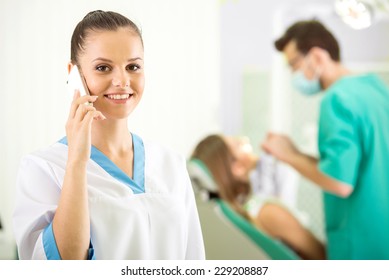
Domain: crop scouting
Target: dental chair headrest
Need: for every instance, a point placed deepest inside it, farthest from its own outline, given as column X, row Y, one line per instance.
column 201, row 177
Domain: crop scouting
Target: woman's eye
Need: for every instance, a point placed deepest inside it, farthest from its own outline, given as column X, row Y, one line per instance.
column 102, row 68
column 133, row 67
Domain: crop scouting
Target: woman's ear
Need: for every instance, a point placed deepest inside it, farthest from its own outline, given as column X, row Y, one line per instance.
column 70, row 66
column 238, row 170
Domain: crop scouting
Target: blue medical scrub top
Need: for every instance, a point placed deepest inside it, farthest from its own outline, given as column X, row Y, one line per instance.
column 354, row 149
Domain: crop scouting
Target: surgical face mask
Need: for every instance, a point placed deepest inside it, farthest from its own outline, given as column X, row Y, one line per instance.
column 305, row 86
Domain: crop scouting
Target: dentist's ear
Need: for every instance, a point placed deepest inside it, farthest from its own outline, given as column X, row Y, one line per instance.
column 319, row 56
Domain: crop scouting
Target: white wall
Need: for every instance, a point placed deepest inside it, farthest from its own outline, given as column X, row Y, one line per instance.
column 181, row 100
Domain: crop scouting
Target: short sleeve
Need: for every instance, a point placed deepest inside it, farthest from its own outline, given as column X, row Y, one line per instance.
column 51, row 249
column 37, row 195
column 49, row 243
column 340, row 151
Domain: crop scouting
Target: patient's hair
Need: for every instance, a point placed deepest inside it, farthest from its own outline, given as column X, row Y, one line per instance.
column 309, row 34
column 214, row 152
column 97, row 21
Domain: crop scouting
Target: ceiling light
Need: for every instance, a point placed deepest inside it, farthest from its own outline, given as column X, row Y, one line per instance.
column 357, row 14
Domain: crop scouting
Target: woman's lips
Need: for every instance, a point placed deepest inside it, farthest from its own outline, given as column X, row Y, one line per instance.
column 118, row 98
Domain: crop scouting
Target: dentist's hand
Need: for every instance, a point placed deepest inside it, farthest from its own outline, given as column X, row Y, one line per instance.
column 280, row 146
column 79, row 127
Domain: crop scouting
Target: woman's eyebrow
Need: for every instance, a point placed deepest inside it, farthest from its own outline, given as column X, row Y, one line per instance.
column 108, row 60
column 135, row 58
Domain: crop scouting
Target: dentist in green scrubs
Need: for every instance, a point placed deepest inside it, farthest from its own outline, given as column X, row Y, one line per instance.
column 353, row 143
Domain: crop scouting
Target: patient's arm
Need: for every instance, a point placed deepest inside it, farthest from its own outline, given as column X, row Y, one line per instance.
column 279, row 223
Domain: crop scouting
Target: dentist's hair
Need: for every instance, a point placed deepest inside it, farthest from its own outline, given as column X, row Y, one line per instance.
column 309, row 34
column 98, row 21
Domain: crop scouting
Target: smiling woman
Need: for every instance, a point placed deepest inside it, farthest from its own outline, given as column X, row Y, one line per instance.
column 113, row 63
column 100, row 192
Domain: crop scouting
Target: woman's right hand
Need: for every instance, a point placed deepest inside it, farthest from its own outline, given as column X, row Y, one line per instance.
column 79, row 127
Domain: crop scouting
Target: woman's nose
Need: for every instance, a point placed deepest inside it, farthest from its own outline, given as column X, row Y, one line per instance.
column 122, row 81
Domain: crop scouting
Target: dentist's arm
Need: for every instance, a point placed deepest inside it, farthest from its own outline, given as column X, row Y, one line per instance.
column 282, row 148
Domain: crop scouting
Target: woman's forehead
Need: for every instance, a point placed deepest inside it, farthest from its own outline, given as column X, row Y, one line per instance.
column 237, row 142
column 109, row 43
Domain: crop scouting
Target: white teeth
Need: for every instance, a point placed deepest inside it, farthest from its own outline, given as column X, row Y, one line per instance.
column 118, row 96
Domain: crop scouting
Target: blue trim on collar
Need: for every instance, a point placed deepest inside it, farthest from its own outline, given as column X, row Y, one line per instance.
column 137, row 184
column 139, row 161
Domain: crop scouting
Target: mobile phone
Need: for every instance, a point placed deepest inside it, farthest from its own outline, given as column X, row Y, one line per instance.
column 77, row 81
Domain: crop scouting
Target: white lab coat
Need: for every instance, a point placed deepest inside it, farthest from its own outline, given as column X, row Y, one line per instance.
column 153, row 216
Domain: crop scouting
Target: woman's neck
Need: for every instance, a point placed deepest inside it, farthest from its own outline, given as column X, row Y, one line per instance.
column 112, row 137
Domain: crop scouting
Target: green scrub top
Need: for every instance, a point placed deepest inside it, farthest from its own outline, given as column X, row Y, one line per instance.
column 354, row 149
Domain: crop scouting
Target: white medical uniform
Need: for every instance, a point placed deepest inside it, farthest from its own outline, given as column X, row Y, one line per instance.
column 152, row 216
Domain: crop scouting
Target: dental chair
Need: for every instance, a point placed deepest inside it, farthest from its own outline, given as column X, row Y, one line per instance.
column 227, row 235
